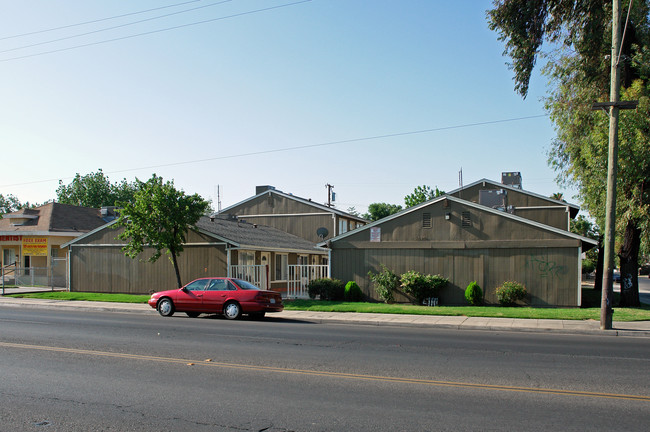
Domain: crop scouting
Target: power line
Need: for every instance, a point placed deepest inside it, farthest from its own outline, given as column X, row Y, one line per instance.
column 94, row 21
column 301, row 147
column 114, row 27
column 157, row 31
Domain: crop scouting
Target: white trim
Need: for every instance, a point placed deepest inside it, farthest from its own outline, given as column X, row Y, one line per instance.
column 126, row 244
column 245, row 216
column 315, row 251
column 42, row 233
column 580, row 276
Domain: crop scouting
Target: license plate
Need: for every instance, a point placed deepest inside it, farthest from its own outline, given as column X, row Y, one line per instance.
column 272, row 301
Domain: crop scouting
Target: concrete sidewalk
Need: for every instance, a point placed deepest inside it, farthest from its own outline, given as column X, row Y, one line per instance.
column 635, row 328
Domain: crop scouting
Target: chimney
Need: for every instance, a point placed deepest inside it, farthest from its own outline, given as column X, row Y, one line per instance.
column 262, row 189
column 512, row 179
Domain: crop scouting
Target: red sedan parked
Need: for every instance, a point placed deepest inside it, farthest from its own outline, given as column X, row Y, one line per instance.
column 230, row 297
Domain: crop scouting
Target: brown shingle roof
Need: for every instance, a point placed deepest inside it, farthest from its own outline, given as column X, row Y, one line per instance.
column 52, row 217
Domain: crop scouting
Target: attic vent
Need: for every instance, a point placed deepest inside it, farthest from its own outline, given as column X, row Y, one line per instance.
column 426, row 220
column 467, row 221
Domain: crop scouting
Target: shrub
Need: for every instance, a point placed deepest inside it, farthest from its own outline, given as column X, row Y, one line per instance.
column 588, row 266
column 510, row 292
column 422, row 286
column 474, row 294
column 386, row 282
column 326, row 288
column 352, row 292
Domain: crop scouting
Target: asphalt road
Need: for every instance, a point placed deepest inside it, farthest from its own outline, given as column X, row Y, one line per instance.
column 77, row 371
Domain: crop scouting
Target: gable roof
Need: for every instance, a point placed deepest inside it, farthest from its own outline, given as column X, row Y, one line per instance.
column 573, row 208
column 245, row 235
column 52, row 219
column 239, row 235
column 308, row 202
column 480, row 207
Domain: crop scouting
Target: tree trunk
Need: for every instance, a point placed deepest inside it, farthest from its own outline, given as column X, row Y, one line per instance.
column 178, row 273
column 629, row 258
column 598, row 283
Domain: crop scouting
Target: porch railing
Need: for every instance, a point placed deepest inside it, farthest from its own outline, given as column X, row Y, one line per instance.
column 255, row 274
column 299, row 277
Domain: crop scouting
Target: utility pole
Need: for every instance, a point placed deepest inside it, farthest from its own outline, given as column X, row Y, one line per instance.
column 329, row 194
column 606, row 311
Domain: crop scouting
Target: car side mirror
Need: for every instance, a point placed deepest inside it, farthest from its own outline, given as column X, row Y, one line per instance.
column 184, row 289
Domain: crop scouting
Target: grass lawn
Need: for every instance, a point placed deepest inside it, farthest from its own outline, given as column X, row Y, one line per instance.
column 64, row 295
column 590, row 300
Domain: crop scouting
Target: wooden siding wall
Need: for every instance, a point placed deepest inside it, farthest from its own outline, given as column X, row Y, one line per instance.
column 99, row 265
column 558, row 218
column 292, row 216
column 549, row 274
column 106, row 269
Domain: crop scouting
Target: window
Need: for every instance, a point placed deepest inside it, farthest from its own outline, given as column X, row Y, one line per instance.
column 198, row 285
column 467, row 221
column 343, row 226
column 426, row 220
column 217, row 285
column 246, row 258
column 281, row 264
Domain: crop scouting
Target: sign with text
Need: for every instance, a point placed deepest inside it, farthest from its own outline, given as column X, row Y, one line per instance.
column 35, row 246
column 375, row 234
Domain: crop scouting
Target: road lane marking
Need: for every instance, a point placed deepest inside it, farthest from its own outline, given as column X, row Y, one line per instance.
column 212, row 363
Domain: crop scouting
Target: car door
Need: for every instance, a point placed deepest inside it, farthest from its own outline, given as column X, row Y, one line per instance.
column 191, row 297
column 216, row 292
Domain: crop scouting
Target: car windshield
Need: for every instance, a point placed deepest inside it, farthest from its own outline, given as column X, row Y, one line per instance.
column 245, row 285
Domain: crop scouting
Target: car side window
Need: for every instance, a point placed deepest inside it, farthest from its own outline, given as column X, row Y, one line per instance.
column 197, row 285
column 231, row 286
column 217, row 285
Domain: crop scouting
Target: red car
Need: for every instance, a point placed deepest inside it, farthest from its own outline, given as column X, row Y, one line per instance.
column 230, row 297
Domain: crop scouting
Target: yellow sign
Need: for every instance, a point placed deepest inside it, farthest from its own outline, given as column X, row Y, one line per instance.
column 35, row 246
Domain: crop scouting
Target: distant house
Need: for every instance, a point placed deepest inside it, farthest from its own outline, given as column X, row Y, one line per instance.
column 298, row 216
column 33, row 239
column 466, row 241
column 215, row 246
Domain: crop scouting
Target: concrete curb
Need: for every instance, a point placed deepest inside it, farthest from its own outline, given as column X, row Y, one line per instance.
column 625, row 329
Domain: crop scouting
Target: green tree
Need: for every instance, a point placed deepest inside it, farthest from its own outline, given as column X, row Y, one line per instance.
column 421, row 194
column 9, row 204
column 159, row 216
column 378, row 211
column 94, row 190
column 580, row 32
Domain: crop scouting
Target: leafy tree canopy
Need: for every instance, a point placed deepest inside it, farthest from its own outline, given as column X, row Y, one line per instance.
column 378, row 211
column 159, row 216
column 94, row 190
column 578, row 69
column 421, row 194
column 9, row 204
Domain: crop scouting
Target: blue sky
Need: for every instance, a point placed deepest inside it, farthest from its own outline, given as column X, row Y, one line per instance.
column 293, row 97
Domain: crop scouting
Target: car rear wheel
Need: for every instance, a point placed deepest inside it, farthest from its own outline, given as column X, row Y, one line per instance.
column 193, row 314
column 165, row 307
column 232, row 310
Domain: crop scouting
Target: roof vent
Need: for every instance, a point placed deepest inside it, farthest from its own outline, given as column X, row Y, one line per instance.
column 511, row 179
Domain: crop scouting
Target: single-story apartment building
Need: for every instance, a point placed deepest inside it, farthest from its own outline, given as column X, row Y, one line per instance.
column 465, row 241
column 215, row 246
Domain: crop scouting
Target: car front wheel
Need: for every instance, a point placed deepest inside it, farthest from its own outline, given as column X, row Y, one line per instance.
column 232, row 310
column 165, row 307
